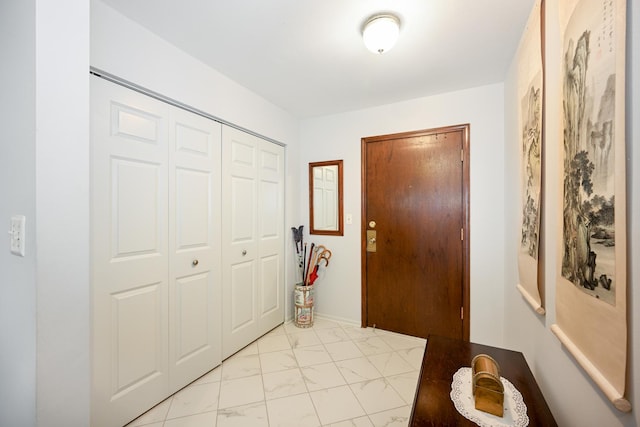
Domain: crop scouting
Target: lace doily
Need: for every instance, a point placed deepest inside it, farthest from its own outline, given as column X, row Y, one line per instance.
column 515, row 411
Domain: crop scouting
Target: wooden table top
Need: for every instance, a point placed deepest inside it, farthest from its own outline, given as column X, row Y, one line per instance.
column 443, row 357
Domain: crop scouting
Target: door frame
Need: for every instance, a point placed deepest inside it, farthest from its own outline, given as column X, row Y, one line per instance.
column 465, row 158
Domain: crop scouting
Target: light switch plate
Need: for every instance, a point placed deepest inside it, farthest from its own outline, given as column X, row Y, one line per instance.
column 17, row 232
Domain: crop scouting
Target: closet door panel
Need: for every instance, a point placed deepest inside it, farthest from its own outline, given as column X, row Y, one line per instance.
column 192, row 209
column 271, row 235
column 136, row 318
column 270, row 295
column 240, row 240
column 243, row 211
column 128, row 253
column 194, row 242
column 191, row 321
column 243, row 298
column 136, row 192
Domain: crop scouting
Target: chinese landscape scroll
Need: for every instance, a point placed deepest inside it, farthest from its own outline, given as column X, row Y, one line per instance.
column 591, row 307
column 530, row 93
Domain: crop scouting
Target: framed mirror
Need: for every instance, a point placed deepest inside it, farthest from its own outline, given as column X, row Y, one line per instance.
column 325, row 198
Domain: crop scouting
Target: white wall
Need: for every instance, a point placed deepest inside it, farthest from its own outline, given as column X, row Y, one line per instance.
column 573, row 397
column 338, row 137
column 62, row 212
column 17, row 196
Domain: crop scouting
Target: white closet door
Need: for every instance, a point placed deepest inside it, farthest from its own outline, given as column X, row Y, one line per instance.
column 128, row 253
column 253, row 238
column 155, row 250
column 240, row 240
column 194, row 242
column 271, row 236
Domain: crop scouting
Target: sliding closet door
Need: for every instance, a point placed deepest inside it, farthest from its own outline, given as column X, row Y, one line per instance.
column 239, row 239
column 194, row 242
column 155, row 250
column 130, row 335
column 253, row 256
column 270, row 236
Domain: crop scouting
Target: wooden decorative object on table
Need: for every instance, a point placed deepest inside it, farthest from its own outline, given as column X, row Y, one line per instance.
column 488, row 391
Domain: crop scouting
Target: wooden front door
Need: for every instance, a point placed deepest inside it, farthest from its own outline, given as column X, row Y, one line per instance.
column 415, row 233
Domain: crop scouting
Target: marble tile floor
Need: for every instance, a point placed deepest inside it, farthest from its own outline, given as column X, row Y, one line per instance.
column 332, row 374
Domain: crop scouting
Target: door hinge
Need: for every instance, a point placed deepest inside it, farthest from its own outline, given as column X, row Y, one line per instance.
column 462, row 155
column 462, row 234
column 461, row 313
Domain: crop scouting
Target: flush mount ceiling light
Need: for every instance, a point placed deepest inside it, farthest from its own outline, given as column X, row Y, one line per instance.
column 380, row 32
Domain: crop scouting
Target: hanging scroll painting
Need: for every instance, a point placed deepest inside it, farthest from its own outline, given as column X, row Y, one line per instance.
column 591, row 285
column 530, row 94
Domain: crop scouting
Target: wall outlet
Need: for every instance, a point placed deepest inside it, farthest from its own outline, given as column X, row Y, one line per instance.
column 17, row 234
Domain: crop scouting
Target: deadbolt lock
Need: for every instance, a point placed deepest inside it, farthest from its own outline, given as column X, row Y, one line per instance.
column 371, row 240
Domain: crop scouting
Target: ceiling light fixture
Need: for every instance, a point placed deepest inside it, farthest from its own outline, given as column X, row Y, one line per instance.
column 380, row 33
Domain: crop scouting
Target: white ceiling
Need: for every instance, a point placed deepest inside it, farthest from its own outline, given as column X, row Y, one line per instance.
column 307, row 56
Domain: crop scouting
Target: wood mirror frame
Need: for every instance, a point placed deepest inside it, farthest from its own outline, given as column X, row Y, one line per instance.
column 322, row 208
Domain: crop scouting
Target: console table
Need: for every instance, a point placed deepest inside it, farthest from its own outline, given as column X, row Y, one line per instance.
column 432, row 405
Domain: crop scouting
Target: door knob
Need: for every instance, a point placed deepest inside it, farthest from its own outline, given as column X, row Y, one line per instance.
column 194, row 262
column 244, row 252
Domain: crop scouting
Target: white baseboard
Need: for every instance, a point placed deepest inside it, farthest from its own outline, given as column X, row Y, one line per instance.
column 342, row 320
